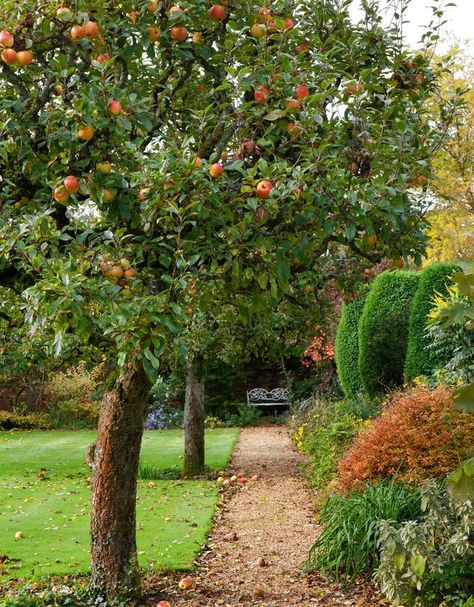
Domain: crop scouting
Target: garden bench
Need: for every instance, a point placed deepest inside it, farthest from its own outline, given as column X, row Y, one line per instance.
column 261, row 396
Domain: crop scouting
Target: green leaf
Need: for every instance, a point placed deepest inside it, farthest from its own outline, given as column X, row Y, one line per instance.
column 283, row 268
column 275, row 115
column 152, row 358
column 464, row 398
column 418, row 564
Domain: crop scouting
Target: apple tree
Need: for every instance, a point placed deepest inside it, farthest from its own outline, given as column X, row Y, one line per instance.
column 147, row 147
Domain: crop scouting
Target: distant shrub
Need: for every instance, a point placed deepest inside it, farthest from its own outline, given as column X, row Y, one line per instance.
column 16, row 421
column 418, row 435
column 383, row 330
column 347, row 345
column 348, row 544
column 163, row 416
column 244, row 416
column 213, row 422
column 421, row 359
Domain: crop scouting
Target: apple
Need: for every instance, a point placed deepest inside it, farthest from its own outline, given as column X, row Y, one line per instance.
column 301, row 91
column 143, row 194
column 24, row 57
column 288, row 24
column 115, row 107
column 354, row 88
column 272, row 25
column 185, row 583
column 104, row 167
column 303, row 47
column 154, row 33
column 129, row 273
column 419, row 79
column 264, row 12
column 197, row 162
column 71, row 184
column 293, row 104
column 6, row 39
column 189, row 311
column 60, row 194
column 91, row 29
column 103, row 57
column 179, row 33
column 243, row 480
column 151, row 8
column 116, row 272
column 58, row 89
column 9, row 56
column 175, row 9
column 258, row 30
column 226, row 483
column 371, row 239
column 220, row 480
column 108, row 195
column 86, row 132
column 293, row 130
column 125, row 263
column 198, row 38
column 64, row 13
column 216, row 169
column 264, row 187
column 233, row 478
column 19, row 535
column 163, row 604
column 77, row 32
column 261, row 93
column 133, row 15
column 217, row 12
column 254, row 478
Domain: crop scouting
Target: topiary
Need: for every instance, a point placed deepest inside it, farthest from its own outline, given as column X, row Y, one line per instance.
column 383, row 330
column 347, row 345
column 420, row 358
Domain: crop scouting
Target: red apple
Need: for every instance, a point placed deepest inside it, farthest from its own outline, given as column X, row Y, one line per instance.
column 243, row 480
column 108, row 195
column 258, row 30
column 216, row 169
column 197, row 162
column 143, row 194
column 91, row 29
column 265, row 12
column 293, row 104
column 163, row 604
column 217, row 12
column 185, row 583
column 115, row 107
column 103, row 57
column 116, row 272
column 77, row 31
column 303, row 47
column 301, row 91
column 9, row 56
column 86, row 132
column 71, row 184
column 129, row 273
column 272, row 25
column 288, row 24
column 6, row 39
column 154, row 33
column 24, row 57
column 179, row 33
column 60, row 194
column 261, row 93
column 264, row 188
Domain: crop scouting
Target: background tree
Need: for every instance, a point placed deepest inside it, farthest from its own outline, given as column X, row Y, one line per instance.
column 144, row 144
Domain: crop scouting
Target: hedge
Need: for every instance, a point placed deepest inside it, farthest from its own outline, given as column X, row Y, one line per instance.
column 420, row 359
column 383, row 330
column 347, row 345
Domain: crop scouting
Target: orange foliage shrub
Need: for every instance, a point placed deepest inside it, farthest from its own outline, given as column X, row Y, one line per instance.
column 418, row 435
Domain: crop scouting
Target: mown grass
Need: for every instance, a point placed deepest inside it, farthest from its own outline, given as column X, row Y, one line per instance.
column 53, row 514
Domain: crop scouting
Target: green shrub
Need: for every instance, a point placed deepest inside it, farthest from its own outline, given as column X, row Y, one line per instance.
column 383, row 330
column 421, row 359
column 245, row 415
column 348, row 544
column 347, row 345
column 15, row 421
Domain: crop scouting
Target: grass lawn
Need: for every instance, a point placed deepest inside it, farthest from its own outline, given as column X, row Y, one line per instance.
column 53, row 514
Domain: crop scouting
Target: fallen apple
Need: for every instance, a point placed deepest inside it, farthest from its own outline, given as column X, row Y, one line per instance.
column 163, row 604
column 185, row 583
column 19, row 535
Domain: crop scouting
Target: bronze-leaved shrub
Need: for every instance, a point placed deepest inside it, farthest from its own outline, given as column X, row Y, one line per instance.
column 418, row 435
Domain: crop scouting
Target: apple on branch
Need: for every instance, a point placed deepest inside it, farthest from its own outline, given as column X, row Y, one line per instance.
column 6, row 39
column 115, row 107
column 86, row 132
column 261, row 93
column 179, row 33
column 24, row 57
column 258, row 30
column 9, row 56
column 217, row 12
column 71, row 183
column 216, row 169
column 264, row 187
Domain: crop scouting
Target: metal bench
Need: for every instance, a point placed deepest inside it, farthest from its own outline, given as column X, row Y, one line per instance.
column 268, row 398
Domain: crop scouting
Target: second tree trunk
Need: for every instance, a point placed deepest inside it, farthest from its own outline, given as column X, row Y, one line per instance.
column 194, row 421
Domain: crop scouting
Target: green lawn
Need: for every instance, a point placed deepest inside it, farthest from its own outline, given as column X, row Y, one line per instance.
column 53, row 514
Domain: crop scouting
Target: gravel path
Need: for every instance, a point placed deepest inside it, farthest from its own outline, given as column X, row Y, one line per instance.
column 261, row 536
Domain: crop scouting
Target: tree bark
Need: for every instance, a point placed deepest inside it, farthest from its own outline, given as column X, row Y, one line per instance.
column 115, row 572
column 194, row 421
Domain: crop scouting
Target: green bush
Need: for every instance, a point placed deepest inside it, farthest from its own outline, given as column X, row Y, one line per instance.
column 383, row 330
column 347, row 345
column 348, row 544
column 15, row 421
column 421, row 359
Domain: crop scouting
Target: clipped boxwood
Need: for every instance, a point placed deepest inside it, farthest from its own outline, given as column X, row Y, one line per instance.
column 420, row 359
column 383, row 330
column 347, row 345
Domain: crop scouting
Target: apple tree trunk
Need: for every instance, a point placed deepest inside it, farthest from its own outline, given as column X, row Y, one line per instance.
column 194, row 420
column 115, row 572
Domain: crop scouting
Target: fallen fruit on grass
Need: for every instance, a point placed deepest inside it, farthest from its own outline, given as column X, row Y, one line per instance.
column 226, row 482
column 221, row 480
column 185, row 583
column 19, row 535
column 151, row 485
column 233, row 478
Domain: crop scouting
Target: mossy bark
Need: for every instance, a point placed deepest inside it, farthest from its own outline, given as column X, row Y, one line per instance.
column 194, row 420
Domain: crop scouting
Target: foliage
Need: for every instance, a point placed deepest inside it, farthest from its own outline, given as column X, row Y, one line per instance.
column 10, row 420
column 244, row 416
column 162, row 416
column 213, row 422
column 383, row 330
column 324, row 432
column 418, row 435
column 347, row 545
column 347, row 345
column 421, row 359
column 451, row 233
column 425, row 560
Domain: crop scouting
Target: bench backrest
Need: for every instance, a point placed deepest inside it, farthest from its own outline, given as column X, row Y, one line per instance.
column 261, row 396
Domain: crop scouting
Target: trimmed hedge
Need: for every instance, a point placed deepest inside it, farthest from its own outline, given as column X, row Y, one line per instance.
column 15, row 421
column 347, row 345
column 383, row 330
column 420, row 359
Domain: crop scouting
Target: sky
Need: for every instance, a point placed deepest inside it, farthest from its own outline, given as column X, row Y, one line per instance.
column 460, row 21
